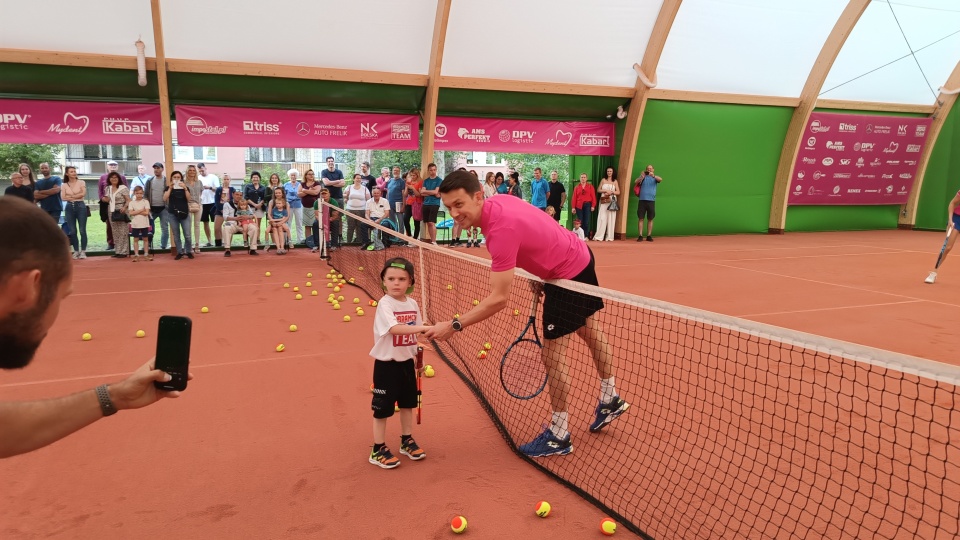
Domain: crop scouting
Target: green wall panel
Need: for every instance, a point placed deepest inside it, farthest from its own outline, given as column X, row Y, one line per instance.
column 466, row 102
column 841, row 218
column 35, row 81
column 718, row 163
column 942, row 177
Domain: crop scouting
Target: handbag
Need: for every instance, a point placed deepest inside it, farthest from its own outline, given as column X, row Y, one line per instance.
column 88, row 209
column 118, row 216
column 194, row 207
column 417, row 207
column 614, row 205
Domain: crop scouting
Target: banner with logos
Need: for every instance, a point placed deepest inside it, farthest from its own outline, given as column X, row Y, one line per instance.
column 857, row 159
column 26, row 121
column 524, row 136
column 236, row 126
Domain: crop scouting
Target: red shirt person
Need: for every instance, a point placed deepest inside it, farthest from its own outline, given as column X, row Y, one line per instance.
column 584, row 202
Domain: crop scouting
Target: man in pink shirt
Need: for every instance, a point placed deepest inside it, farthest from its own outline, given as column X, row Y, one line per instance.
column 521, row 236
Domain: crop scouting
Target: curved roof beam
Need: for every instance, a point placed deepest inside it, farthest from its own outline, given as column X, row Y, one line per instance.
column 945, row 101
column 433, row 83
column 808, row 101
column 646, row 80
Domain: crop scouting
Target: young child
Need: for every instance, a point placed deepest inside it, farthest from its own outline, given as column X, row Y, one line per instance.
column 278, row 224
column 577, row 230
column 395, row 329
column 247, row 222
column 139, row 212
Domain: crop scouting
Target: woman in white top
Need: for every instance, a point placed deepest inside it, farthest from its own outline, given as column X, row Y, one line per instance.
column 73, row 191
column 607, row 219
column 195, row 187
column 355, row 199
column 489, row 186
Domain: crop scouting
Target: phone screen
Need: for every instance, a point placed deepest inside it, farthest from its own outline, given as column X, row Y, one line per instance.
column 173, row 351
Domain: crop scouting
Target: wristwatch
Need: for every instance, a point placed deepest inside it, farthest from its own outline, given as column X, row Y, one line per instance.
column 106, row 404
column 457, row 325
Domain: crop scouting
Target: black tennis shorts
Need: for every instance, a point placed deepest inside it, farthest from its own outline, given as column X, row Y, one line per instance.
column 646, row 208
column 207, row 214
column 430, row 213
column 566, row 311
column 393, row 383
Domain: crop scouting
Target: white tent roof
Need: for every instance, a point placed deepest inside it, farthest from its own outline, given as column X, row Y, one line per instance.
column 761, row 47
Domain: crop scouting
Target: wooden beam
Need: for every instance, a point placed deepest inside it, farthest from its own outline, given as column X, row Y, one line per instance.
column 506, row 85
column 631, row 132
column 433, row 83
column 294, row 72
column 873, row 106
column 908, row 212
column 164, row 98
column 53, row 58
column 713, row 97
column 808, row 101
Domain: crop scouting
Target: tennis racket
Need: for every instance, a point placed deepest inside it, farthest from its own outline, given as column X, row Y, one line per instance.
column 522, row 372
column 419, row 367
column 944, row 248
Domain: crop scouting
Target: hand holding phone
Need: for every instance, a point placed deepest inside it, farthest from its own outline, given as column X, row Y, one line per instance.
column 173, row 351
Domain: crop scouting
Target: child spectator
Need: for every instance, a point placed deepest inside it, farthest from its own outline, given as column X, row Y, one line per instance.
column 278, row 221
column 578, row 231
column 139, row 212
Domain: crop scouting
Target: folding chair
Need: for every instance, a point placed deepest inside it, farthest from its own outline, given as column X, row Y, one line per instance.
column 442, row 226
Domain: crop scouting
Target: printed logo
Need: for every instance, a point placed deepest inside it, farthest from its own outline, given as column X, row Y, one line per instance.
column 893, row 162
column 913, row 148
column 801, row 174
column 891, row 148
column 863, row 147
column 125, row 126
column 11, row 122
column 809, row 161
column 906, row 176
column 845, row 161
column 875, row 163
column 920, row 131
column 817, row 127
column 881, row 130
column 369, row 131
column 562, row 138
column 198, row 127
column 526, row 137
column 835, row 145
column 909, row 162
column 601, row 141
column 479, row 135
column 867, row 176
column 409, row 318
column 551, row 327
column 889, row 189
column 859, row 162
column 71, row 124
column 811, row 142
column 886, row 177
column 848, row 128
column 853, row 190
column 841, row 175
column 798, row 189
column 828, row 161
column 836, row 189
column 818, row 175
column 440, row 130
column 869, row 128
column 303, row 129
column 401, row 132
column 252, row 127
column 504, row 135
column 812, row 191
column 902, row 130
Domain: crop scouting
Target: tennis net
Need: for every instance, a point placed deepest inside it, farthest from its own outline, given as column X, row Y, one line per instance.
column 736, row 429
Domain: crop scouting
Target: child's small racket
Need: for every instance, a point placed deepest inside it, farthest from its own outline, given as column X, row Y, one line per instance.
column 944, row 248
column 419, row 368
column 522, row 372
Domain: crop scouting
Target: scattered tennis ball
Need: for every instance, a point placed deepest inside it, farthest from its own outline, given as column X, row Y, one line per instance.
column 346, row 318
column 449, row 287
column 339, row 276
column 456, row 315
column 429, row 371
column 608, row 526
column 309, row 274
column 86, row 336
column 356, row 300
column 286, row 285
column 280, row 347
column 360, row 312
column 293, row 328
column 330, row 299
column 459, row 524
column 543, row 509
column 308, row 284
column 340, row 298
column 336, row 306
column 267, row 274
column 336, row 289
column 361, row 269
column 351, row 280
column 482, row 354
column 373, row 303
column 329, row 285
column 299, row 297
column 516, row 312
column 476, row 302
column 296, row 289
column 141, row 333
column 313, row 293
column 487, row 346
column 204, row 309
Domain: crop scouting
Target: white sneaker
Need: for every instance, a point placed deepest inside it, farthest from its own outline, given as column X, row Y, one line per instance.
column 83, row 254
column 932, row 278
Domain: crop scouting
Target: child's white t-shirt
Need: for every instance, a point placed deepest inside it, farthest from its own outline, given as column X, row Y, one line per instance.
column 579, row 232
column 391, row 312
column 139, row 221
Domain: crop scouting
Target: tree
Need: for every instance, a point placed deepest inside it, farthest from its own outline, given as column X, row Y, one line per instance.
column 526, row 163
column 12, row 155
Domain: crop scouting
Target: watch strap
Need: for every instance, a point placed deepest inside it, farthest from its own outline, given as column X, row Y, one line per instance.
column 106, row 404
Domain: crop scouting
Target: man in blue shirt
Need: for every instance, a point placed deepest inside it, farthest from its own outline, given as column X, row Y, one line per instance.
column 47, row 192
column 646, row 188
column 539, row 188
column 431, row 203
column 294, row 206
column 332, row 180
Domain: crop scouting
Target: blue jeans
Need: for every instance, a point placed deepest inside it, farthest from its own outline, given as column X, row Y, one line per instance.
column 181, row 225
column 161, row 213
column 76, row 220
column 583, row 214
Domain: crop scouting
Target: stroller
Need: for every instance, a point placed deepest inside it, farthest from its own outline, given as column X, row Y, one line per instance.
column 383, row 241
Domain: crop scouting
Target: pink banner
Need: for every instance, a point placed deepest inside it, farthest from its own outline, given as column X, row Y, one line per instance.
column 857, row 159
column 524, row 136
column 78, row 122
column 234, row 126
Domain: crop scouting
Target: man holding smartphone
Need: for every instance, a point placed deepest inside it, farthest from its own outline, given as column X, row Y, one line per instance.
column 35, row 276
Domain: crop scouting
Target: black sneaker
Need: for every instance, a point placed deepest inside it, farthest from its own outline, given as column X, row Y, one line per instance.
column 639, row 239
column 649, row 239
column 608, row 412
column 178, row 257
column 227, row 253
column 254, row 252
column 189, row 255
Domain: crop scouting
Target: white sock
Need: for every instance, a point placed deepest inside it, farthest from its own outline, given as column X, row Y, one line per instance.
column 607, row 390
column 558, row 425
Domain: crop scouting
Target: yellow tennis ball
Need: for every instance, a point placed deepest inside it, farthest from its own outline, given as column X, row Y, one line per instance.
column 293, row 328
column 86, row 337
column 280, row 347
column 267, row 274
column 361, row 269
column 141, row 333
column 356, row 300
column 204, row 309
column 299, row 297
column 608, row 526
column 476, row 302
column 456, row 315
column 429, row 371
column 543, row 509
column 482, row 354
column 487, row 346
column 313, row 293
column 286, row 285
column 449, row 287
column 330, row 299
column 360, row 312
column 336, row 289
column 309, row 274
column 516, row 312
column 340, row 298
column 351, row 280
column 329, row 285
column 459, row 524
column 374, row 303
column 308, row 284
column 339, row 276
column 296, row 289
column 346, row 318
column 336, row 306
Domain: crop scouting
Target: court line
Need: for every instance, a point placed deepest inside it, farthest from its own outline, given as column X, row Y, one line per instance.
column 829, row 308
column 164, row 290
column 709, row 261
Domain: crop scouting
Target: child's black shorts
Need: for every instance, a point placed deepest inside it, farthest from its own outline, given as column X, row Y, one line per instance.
column 393, row 383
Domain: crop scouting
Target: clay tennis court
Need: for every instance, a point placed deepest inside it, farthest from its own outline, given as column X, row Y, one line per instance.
column 273, row 445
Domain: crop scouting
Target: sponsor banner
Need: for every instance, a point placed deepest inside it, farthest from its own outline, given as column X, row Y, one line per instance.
column 236, row 126
column 524, row 136
column 857, row 159
column 78, row 122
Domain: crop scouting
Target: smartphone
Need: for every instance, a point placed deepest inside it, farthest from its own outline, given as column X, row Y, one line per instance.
column 173, row 351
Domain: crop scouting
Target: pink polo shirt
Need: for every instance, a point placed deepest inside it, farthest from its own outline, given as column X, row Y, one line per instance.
column 520, row 235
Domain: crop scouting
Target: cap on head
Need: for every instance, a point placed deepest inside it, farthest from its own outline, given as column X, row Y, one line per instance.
column 158, row 164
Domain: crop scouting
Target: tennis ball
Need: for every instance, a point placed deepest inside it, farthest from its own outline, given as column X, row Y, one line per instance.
column 487, row 346
column 351, row 280
column 608, row 526
column 299, row 297
column 336, row 289
column 356, row 300
column 476, row 302
column 361, row 269
column 343, row 282
column 482, row 354
column 360, row 312
column 374, row 303
column 313, row 293
column 286, row 285
column 141, row 333
column 346, row 318
column 340, row 298
column 516, row 312
column 339, row 276
column 267, row 274
column 336, row 306
column 456, row 315
column 429, row 371
column 86, row 337
column 204, row 309
column 543, row 509
column 329, row 285
column 293, row 328
column 449, row 287
column 309, row 274
column 280, row 347
column 296, row 289
column 459, row 524
column 308, row 284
